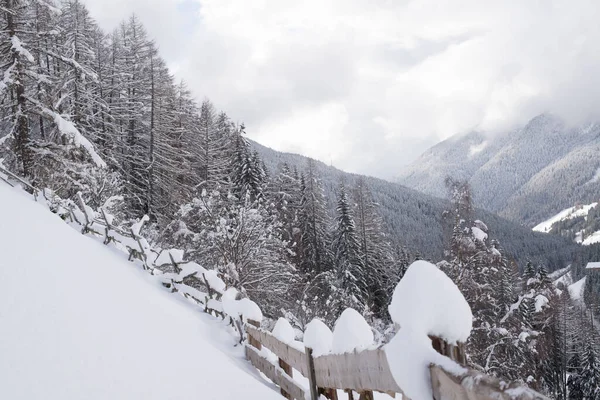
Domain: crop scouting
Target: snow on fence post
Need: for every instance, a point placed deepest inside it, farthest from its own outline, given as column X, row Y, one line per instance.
column 284, row 332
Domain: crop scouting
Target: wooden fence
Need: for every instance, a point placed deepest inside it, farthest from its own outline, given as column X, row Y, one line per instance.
column 368, row 371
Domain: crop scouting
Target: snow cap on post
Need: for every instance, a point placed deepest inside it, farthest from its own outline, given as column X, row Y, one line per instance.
column 351, row 333
column 249, row 310
column 284, row 331
column 318, row 337
column 230, row 306
column 427, row 302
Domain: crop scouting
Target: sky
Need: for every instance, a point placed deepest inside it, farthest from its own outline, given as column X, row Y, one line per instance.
column 368, row 85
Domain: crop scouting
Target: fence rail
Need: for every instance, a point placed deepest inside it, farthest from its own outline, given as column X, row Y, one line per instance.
column 368, row 371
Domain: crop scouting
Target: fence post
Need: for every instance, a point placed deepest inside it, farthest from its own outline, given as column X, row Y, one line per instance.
column 251, row 340
column 455, row 353
column 312, row 377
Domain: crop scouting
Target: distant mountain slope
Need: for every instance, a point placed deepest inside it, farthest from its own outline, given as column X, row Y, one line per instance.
column 526, row 175
column 414, row 219
column 579, row 223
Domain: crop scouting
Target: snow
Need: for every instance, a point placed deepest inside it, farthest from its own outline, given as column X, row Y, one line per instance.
column 249, row 310
column 284, row 331
column 68, row 129
column 566, row 214
column 591, row 239
column 351, row 333
column 481, row 225
column 215, row 305
column 318, row 337
column 425, row 302
column 137, row 227
column 17, row 46
column 70, row 330
column 190, row 268
column 409, row 356
column 593, row 265
column 229, row 302
column 214, row 281
column 479, row 234
column 576, row 289
column 541, row 301
column 477, row 148
column 596, row 177
column 559, row 273
column 165, row 256
column 429, row 303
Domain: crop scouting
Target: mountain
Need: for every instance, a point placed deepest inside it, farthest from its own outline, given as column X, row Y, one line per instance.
column 80, row 322
column 525, row 175
column 414, row 219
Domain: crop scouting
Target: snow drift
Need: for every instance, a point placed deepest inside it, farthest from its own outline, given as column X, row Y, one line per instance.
column 79, row 322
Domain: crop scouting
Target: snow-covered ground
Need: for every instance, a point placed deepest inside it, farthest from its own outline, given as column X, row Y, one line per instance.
column 576, row 289
column 591, row 239
column 77, row 321
column 566, row 214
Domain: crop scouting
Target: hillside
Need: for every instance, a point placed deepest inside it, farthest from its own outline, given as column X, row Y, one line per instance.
column 526, row 175
column 80, row 322
column 414, row 219
column 579, row 223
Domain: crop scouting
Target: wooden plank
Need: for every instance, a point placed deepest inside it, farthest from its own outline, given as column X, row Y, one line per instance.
column 312, row 378
column 294, row 357
column 285, row 367
column 365, row 371
column 476, row 386
column 275, row 374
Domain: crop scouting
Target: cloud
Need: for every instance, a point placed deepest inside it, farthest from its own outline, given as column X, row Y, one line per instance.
column 369, row 85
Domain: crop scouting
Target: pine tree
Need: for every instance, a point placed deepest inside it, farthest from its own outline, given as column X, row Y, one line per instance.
column 590, row 374
column 350, row 269
column 381, row 271
column 529, row 271
column 314, row 223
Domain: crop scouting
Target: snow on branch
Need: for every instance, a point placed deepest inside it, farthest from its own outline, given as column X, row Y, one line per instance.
column 17, row 46
column 82, row 70
column 70, row 131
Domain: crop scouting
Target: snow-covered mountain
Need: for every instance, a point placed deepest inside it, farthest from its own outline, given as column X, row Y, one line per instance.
column 525, row 175
column 78, row 321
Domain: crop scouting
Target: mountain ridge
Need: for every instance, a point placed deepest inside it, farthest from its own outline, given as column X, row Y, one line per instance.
column 525, row 175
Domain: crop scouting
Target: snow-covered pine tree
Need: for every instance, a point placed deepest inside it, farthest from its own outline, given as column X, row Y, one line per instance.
column 314, row 222
column 246, row 168
column 381, row 271
column 587, row 382
column 350, row 270
column 529, row 271
column 284, row 193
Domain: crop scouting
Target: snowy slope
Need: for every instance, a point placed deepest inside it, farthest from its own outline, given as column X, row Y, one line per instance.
column 77, row 321
column 576, row 289
column 564, row 215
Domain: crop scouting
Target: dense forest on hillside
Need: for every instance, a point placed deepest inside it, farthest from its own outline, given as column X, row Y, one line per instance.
column 415, row 220
column 96, row 114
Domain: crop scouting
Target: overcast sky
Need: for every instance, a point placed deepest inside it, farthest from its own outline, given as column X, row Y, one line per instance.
column 368, row 85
